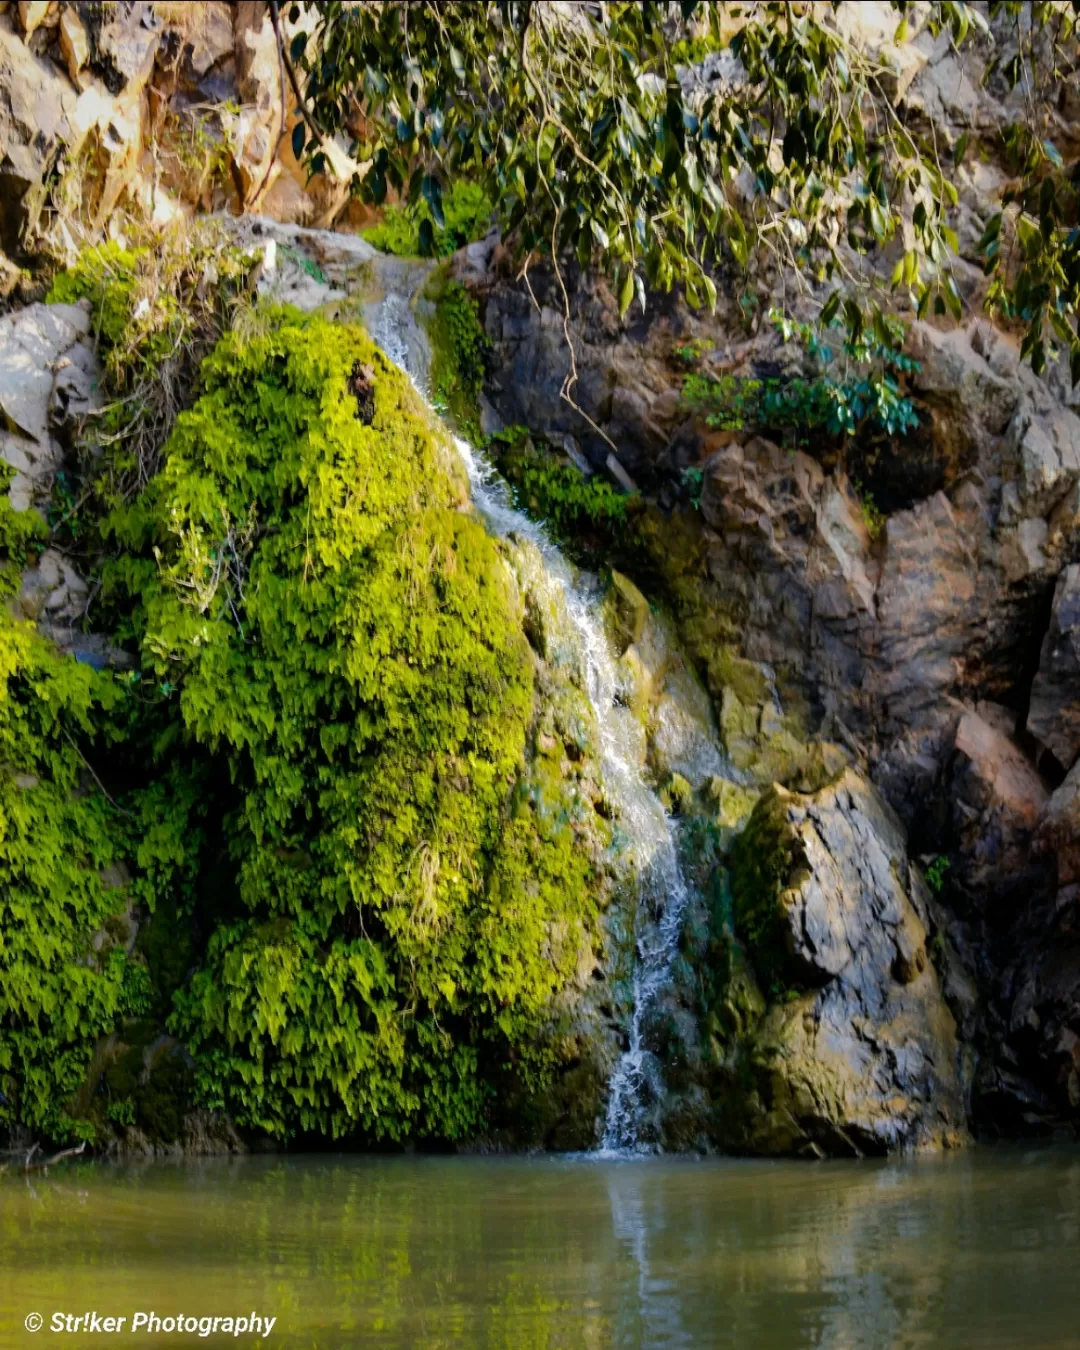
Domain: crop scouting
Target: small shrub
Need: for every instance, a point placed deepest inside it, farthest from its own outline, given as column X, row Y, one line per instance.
column 799, row 410
column 581, row 512
column 935, row 873
column 411, row 231
column 873, row 517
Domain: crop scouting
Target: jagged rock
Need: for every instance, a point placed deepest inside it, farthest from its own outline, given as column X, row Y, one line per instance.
column 996, row 797
column 1054, row 712
column 36, row 112
column 1048, row 451
column 857, row 1051
column 32, row 15
column 1059, row 829
column 965, row 395
column 127, row 44
column 74, row 44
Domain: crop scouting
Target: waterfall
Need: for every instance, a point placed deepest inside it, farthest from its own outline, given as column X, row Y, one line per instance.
column 652, row 848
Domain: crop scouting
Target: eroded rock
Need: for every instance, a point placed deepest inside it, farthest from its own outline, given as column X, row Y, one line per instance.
column 857, row 1050
column 1054, row 711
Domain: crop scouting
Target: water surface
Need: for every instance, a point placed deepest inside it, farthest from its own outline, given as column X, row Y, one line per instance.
column 978, row 1249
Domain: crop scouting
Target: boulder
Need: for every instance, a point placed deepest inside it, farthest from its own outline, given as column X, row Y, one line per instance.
column 41, row 348
column 1054, row 710
column 857, row 1050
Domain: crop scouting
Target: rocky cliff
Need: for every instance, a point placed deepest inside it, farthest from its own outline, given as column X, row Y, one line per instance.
column 863, row 692
column 907, row 600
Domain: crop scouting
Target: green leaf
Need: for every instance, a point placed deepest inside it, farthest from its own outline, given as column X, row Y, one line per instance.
column 626, row 292
column 298, row 133
column 431, row 189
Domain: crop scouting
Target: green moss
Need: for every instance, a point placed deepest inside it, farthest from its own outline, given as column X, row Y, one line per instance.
column 106, row 276
column 459, row 346
column 587, row 515
column 346, row 642
column 762, row 859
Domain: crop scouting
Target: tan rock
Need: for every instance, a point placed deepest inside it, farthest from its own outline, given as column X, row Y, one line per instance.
column 32, row 15
column 74, row 44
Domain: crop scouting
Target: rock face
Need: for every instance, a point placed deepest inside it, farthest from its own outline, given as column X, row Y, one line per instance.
column 1054, row 711
column 852, row 1048
column 160, row 109
column 49, row 379
column 938, row 651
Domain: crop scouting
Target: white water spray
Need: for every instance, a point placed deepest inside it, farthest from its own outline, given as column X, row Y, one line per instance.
column 652, row 845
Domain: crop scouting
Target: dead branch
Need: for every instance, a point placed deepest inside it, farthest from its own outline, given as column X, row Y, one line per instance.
column 46, row 1163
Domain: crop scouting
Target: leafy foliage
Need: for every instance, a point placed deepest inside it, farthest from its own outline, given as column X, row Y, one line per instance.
column 410, row 230
column 459, row 347
column 936, row 872
column 60, row 989
column 797, row 409
column 345, row 640
column 577, row 509
column 590, row 138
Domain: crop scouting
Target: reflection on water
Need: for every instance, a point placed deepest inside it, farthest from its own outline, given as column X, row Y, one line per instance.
column 979, row 1249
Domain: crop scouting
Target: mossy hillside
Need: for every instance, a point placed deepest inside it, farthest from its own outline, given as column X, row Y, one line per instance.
column 348, row 642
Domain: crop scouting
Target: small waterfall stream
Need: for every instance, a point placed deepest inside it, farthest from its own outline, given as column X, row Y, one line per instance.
column 652, row 847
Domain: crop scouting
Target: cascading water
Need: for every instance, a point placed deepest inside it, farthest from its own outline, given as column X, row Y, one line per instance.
column 652, row 847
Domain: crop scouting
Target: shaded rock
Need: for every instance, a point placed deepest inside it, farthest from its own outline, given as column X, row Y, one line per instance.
column 1054, row 711
column 683, row 737
column 857, row 1051
column 37, row 104
column 1059, row 829
column 997, row 797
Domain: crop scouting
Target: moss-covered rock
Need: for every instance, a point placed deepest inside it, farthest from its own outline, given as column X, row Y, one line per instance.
column 408, row 887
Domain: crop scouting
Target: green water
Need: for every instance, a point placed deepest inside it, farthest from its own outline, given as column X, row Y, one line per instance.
column 978, row 1249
